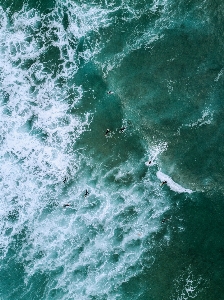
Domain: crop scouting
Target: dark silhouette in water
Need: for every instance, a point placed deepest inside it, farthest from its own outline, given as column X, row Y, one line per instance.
column 164, row 220
column 86, row 193
column 65, row 179
column 163, row 182
column 109, row 92
column 122, row 129
column 66, row 205
column 107, row 131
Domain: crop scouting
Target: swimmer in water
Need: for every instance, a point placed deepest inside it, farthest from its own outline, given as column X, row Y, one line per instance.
column 163, row 182
column 122, row 129
column 86, row 193
column 164, row 220
column 107, row 131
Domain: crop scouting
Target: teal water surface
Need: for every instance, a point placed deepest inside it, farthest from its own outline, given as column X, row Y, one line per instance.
column 84, row 213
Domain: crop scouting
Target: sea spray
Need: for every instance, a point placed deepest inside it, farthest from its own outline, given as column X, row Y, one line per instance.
column 82, row 214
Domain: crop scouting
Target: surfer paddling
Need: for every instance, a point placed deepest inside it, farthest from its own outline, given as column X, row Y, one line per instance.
column 107, row 131
column 163, row 182
column 110, row 92
column 165, row 220
column 86, row 193
column 122, row 129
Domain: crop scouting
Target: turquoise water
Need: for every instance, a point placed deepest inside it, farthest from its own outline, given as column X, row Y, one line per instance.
column 130, row 237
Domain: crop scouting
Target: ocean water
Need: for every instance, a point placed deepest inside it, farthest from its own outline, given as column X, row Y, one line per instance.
column 130, row 237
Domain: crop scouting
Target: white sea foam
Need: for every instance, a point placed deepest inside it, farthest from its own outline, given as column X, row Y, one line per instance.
column 85, row 242
column 29, row 164
column 173, row 185
column 206, row 119
column 154, row 152
column 187, row 285
column 219, row 75
column 98, row 242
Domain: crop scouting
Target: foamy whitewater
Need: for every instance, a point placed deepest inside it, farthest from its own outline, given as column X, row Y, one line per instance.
column 83, row 214
column 173, row 185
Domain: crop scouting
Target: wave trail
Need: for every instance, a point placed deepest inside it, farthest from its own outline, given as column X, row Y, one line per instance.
column 172, row 184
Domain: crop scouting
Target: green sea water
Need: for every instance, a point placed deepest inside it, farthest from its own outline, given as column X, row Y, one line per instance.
column 83, row 214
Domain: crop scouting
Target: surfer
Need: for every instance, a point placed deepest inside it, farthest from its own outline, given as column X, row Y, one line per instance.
column 150, row 162
column 65, row 179
column 66, row 205
column 164, row 220
column 110, row 92
column 86, row 193
column 163, row 182
column 107, row 131
column 122, row 129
